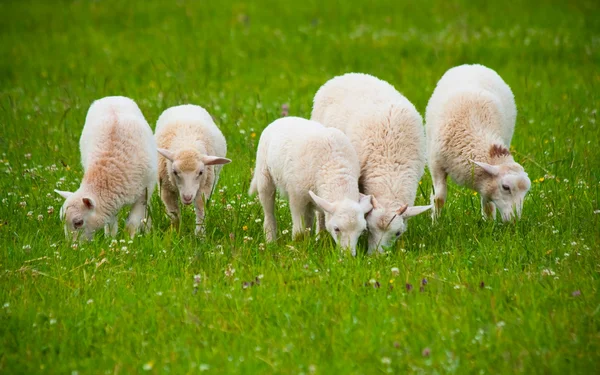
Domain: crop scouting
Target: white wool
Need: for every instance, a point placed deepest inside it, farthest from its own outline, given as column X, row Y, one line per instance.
column 118, row 155
column 470, row 123
column 387, row 132
column 193, row 150
column 317, row 168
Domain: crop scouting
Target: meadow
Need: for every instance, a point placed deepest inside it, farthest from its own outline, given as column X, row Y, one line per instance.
column 460, row 295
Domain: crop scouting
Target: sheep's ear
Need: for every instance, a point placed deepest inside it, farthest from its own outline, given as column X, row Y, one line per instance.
column 402, row 209
column 166, row 153
column 214, row 160
column 375, row 203
column 88, row 203
column 493, row 170
column 325, row 205
column 415, row 210
column 365, row 203
column 64, row 194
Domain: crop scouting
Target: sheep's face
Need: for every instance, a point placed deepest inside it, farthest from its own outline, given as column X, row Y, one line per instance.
column 187, row 169
column 345, row 219
column 387, row 225
column 506, row 187
column 77, row 213
column 509, row 193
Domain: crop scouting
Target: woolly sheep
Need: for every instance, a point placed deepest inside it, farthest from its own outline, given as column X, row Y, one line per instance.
column 192, row 150
column 470, row 122
column 387, row 132
column 119, row 159
column 315, row 167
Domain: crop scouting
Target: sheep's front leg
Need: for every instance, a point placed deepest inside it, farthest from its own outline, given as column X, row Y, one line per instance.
column 298, row 209
column 320, row 222
column 171, row 201
column 488, row 209
column 309, row 217
column 199, row 208
column 111, row 227
column 137, row 214
column 438, row 199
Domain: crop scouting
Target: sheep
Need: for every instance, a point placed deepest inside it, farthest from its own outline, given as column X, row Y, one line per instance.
column 192, row 152
column 470, row 123
column 387, row 132
column 317, row 168
column 119, row 159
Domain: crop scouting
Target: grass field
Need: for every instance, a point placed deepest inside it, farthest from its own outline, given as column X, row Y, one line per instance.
column 470, row 296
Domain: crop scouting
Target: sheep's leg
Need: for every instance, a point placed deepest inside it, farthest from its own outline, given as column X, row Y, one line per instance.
column 488, row 209
column 110, row 228
column 309, row 218
column 199, row 208
column 137, row 214
column 171, row 201
column 298, row 209
column 438, row 199
column 266, row 195
column 148, row 219
column 320, row 222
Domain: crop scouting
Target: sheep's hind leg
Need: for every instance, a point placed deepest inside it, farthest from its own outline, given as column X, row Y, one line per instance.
column 137, row 214
column 266, row 194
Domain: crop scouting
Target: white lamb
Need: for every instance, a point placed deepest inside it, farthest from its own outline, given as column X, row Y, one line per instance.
column 470, row 121
column 193, row 151
column 387, row 132
column 315, row 167
column 119, row 159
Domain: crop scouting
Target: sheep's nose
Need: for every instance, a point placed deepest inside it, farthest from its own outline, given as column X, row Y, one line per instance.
column 187, row 198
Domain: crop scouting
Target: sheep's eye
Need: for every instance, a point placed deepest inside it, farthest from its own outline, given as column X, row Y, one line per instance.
column 200, row 173
column 78, row 223
column 336, row 229
column 505, row 187
column 175, row 173
column 398, row 234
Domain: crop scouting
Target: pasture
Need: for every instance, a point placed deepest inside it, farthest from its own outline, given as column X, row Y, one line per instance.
column 460, row 295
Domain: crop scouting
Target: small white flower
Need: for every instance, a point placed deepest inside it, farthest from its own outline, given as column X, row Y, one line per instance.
column 27, row 247
column 285, row 231
column 596, row 212
column 258, row 220
column 124, row 248
column 90, row 301
column 456, row 286
column 567, row 254
column 6, row 305
column 260, row 276
column 74, row 246
column 52, row 321
column 30, row 214
column 204, row 367
column 547, row 272
column 148, row 366
column 40, row 217
column 159, row 293
column 395, row 271
column 386, row 360
column 500, row 324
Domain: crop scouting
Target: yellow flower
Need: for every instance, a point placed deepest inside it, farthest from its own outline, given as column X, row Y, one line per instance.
column 475, row 193
column 391, row 281
column 253, row 135
column 68, row 168
column 245, row 227
column 541, row 179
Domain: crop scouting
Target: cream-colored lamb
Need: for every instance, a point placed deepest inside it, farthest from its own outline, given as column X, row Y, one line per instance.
column 119, row 159
column 470, row 123
column 315, row 167
column 387, row 132
column 192, row 150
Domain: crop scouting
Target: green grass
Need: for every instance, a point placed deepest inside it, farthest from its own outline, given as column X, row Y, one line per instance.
column 125, row 308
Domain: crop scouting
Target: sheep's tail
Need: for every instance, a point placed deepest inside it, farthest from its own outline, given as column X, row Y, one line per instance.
column 253, row 188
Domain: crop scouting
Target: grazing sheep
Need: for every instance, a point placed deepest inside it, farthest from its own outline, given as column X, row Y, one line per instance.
column 470, row 123
column 387, row 132
column 315, row 167
column 192, row 150
column 119, row 159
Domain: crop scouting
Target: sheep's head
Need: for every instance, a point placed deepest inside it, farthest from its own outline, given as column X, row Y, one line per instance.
column 387, row 224
column 78, row 214
column 506, row 187
column 345, row 219
column 187, row 170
